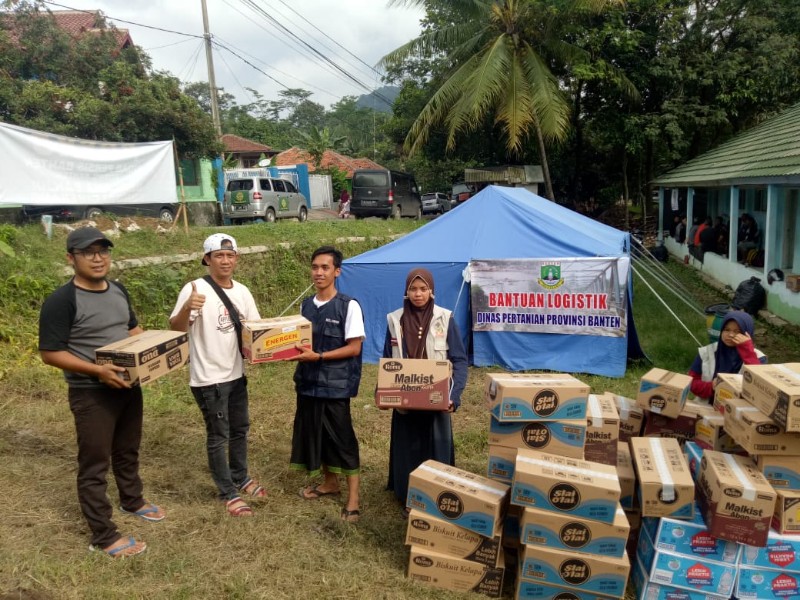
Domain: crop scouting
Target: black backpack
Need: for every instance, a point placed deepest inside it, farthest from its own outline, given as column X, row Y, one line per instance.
column 750, row 296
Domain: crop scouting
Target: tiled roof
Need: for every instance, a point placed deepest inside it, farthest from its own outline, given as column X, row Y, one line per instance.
column 235, row 143
column 77, row 22
column 766, row 153
column 295, row 155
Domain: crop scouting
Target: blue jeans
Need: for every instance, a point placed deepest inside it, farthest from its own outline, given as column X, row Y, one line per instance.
column 224, row 408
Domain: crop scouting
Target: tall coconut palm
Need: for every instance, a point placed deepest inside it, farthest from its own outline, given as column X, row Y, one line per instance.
column 499, row 52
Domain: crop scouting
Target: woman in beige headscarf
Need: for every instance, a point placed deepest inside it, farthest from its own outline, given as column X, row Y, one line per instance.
column 421, row 329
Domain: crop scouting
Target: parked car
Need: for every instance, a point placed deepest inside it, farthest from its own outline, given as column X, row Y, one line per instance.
column 384, row 193
column 165, row 212
column 435, row 203
column 462, row 192
column 263, row 199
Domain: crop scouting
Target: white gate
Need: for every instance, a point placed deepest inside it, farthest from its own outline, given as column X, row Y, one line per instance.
column 321, row 190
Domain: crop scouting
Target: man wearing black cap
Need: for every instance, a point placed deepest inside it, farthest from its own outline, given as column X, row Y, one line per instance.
column 84, row 314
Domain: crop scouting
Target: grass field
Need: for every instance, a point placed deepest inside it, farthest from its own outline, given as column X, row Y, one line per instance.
column 292, row 548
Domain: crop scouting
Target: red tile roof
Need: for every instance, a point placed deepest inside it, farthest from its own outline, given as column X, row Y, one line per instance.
column 235, row 143
column 75, row 23
column 295, row 155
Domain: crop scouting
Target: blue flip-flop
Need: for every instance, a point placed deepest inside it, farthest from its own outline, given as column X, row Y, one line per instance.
column 115, row 551
column 145, row 512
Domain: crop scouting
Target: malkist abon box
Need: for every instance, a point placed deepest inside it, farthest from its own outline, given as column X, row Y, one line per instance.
column 602, row 430
column 269, row 340
column 413, row 384
column 666, row 488
column 663, row 392
column 146, row 356
column 775, row 391
column 535, row 396
column 444, row 537
column 631, row 416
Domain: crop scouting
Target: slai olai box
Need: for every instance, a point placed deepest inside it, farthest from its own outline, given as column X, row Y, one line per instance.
column 565, row 438
column 535, row 396
column 146, row 356
column 565, row 532
column 663, row 392
column 413, row 384
column 269, row 340
column 443, row 537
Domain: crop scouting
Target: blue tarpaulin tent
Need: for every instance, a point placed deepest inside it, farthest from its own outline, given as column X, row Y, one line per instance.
column 497, row 223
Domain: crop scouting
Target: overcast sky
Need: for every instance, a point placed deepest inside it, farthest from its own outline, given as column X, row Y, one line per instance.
column 367, row 29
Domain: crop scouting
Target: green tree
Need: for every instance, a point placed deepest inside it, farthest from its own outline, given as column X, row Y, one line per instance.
column 317, row 141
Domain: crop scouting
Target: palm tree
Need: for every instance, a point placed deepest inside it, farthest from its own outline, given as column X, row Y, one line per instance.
column 318, row 141
column 497, row 50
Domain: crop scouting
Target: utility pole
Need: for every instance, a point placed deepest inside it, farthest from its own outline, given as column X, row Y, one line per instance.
column 212, row 84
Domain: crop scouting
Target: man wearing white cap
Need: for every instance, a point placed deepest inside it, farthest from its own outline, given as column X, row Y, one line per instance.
column 211, row 309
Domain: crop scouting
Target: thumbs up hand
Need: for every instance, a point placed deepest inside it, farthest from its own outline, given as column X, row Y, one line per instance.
column 196, row 300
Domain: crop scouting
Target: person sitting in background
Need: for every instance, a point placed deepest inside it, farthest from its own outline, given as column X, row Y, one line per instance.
column 344, row 204
column 734, row 350
column 748, row 235
column 708, row 237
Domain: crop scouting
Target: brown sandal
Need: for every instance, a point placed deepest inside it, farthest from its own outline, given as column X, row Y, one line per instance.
column 351, row 516
column 253, row 489
column 237, row 507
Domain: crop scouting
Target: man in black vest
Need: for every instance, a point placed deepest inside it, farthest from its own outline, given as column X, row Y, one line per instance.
column 327, row 376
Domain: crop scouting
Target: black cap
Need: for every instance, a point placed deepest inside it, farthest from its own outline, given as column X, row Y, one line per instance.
column 80, row 239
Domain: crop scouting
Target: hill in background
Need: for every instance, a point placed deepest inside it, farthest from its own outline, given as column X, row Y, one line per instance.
column 375, row 100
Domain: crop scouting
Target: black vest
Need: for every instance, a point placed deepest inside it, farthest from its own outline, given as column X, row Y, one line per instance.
column 328, row 378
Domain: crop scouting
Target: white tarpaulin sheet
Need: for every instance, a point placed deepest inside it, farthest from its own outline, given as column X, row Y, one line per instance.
column 43, row 168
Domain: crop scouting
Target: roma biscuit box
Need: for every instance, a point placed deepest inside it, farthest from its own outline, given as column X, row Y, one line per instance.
column 269, row 340
column 775, row 391
column 709, row 432
column 736, row 499
column 666, row 488
column 456, row 574
column 413, row 383
column 146, row 356
column 781, row 471
column 604, row 575
column 787, row 512
column 631, row 416
column 755, row 583
column 663, row 392
column 541, row 591
column 565, row 438
column 627, row 475
column 756, row 432
column 692, row 573
column 564, row 532
column 781, row 552
column 729, row 385
column 602, row 430
column 647, row 590
column 501, row 463
column 535, row 396
column 438, row 535
column 457, row 496
column 566, row 485
column 682, row 428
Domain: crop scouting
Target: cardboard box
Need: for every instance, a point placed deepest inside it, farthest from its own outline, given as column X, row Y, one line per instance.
column 536, row 590
column 666, row 488
column 438, row 535
column 602, row 430
column 729, row 385
column 460, row 497
column 604, row 575
column 736, row 499
column 565, row 438
column 566, row 485
column 762, row 584
column 501, row 463
column 635, row 520
column 682, row 428
column 269, row 340
column 787, row 512
column 631, row 416
column 146, row 356
column 451, row 573
column 694, row 454
column 663, row 392
column 781, row 471
column 413, row 384
column 775, row 391
column 565, row 532
column 756, row 432
column 535, row 397
column 793, row 282
column 648, row 590
column 709, row 433
column 511, row 527
column 781, row 552
column 627, row 475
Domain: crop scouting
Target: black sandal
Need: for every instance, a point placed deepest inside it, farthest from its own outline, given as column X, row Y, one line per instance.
column 351, row 516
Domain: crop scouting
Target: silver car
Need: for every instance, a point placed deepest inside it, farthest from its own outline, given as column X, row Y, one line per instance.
column 263, row 199
column 435, row 203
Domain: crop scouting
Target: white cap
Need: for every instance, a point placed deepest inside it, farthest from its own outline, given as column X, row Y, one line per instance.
column 218, row 241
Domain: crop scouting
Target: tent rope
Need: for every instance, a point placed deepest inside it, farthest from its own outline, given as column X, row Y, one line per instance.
column 683, row 298
column 293, row 302
column 666, row 275
column 461, row 289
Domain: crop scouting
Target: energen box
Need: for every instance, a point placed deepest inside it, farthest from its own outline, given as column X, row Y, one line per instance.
column 564, row 438
column 666, row 488
column 146, row 356
column 602, row 430
column 627, row 475
column 566, row 485
column 564, row 532
column 534, row 397
column 269, row 340
column 729, row 385
column 787, row 512
column 501, row 463
column 604, row 575
column 413, row 384
column 775, row 391
column 438, row 535
column 451, row 573
column 755, row 583
column 663, row 392
column 535, row 590
column 459, row 497
column 781, row 471
column 631, row 416
column 756, row 432
column 737, row 501
column 781, row 552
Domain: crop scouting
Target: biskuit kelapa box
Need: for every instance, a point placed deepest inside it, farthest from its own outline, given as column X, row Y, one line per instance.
column 456, row 574
column 146, row 356
column 535, row 396
column 270, row 340
column 413, row 384
column 666, row 488
column 663, row 392
column 460, row 497
column 775, row 391
column 443, row 537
